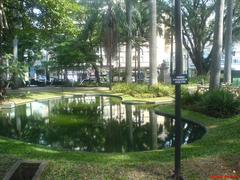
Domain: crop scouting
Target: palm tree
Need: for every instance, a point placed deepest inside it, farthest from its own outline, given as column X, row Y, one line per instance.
column 110, row 39
column 129, row 42
column 215, row 69
column 228, row 43
column 153, row 44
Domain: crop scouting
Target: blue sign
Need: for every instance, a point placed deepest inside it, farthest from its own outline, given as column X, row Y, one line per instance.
column 180, row 79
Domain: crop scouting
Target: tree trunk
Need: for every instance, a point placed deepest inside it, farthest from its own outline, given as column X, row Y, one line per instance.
column 228, row 43
column 171, row 55
column 135, row 61
column 201, row 70
column 128, row 78
column 153, row 44
column 215, row 69
column 110, row 71
column 96, row 72
column 65, row 74
column 119, row 63
column 139, row 63
column 15, row 48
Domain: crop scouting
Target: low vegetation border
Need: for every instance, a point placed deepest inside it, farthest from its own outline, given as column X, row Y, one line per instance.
column 22, row 97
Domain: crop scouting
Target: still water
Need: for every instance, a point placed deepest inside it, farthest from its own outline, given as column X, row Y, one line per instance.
column 94, row 124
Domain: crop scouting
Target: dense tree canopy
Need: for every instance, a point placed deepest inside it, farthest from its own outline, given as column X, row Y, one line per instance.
column 74, row 31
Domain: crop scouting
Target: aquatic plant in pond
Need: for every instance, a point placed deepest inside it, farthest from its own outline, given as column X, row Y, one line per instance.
column 93, row 123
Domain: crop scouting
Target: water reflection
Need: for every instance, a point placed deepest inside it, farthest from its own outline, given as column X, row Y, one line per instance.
column 93, row 123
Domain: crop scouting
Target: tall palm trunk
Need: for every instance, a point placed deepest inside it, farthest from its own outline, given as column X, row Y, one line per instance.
column 3, row 25
column 172, row 34
column 153, row 44
column 215, row 69
column 3, row 18
column 228, row 43
column 129, row 42
column 15, row 48
column 110, row 39
column 139, row 63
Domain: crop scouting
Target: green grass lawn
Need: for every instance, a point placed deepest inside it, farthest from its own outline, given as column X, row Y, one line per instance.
column 217, row 153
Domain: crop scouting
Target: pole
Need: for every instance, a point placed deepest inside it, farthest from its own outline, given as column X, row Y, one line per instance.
column 179, row 67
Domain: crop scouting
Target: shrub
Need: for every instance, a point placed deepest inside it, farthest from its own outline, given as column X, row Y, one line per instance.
column 219, row 103
column 143, row 90
column 189, row 99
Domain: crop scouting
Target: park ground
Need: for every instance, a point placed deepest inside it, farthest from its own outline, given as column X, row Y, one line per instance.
column 216, row 154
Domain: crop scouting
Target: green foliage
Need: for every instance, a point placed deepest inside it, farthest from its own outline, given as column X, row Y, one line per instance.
column 190, row 99
column 74, row 108
column 39, row 25
column 218, row 103
column 201, row 79
column 12, row 68
column 143, row 90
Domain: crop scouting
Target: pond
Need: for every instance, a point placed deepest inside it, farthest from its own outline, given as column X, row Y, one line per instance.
column 93, row 124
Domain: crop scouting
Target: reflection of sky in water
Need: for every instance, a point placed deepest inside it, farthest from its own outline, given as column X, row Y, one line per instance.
column 43, row 109
column 37, row 108
column 140, row 125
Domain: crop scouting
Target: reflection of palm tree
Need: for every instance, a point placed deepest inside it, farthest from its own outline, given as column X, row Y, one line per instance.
column 154, row 128
column 169, row 128
column 188, row 135
column 130, row 124
column 137, row 114
column 20, row 113
column 101, row 106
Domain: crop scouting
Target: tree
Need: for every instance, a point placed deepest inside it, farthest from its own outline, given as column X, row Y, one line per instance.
column 228, row 43
column 215, row 69
column 197, row 32
column 129, row 42
column 14, row 69
column 110, row 39
column 197, row 29
column 153, row 44
column 27, row 20
column 236, row 21
column 139, row 29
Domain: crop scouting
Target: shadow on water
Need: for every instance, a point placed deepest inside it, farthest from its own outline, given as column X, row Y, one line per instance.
column 94, row 124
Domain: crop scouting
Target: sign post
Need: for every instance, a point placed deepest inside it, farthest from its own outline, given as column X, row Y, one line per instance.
column 178, row 79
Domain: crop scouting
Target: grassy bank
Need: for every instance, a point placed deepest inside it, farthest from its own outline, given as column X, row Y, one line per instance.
column 217, row 153
column 28, row 95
